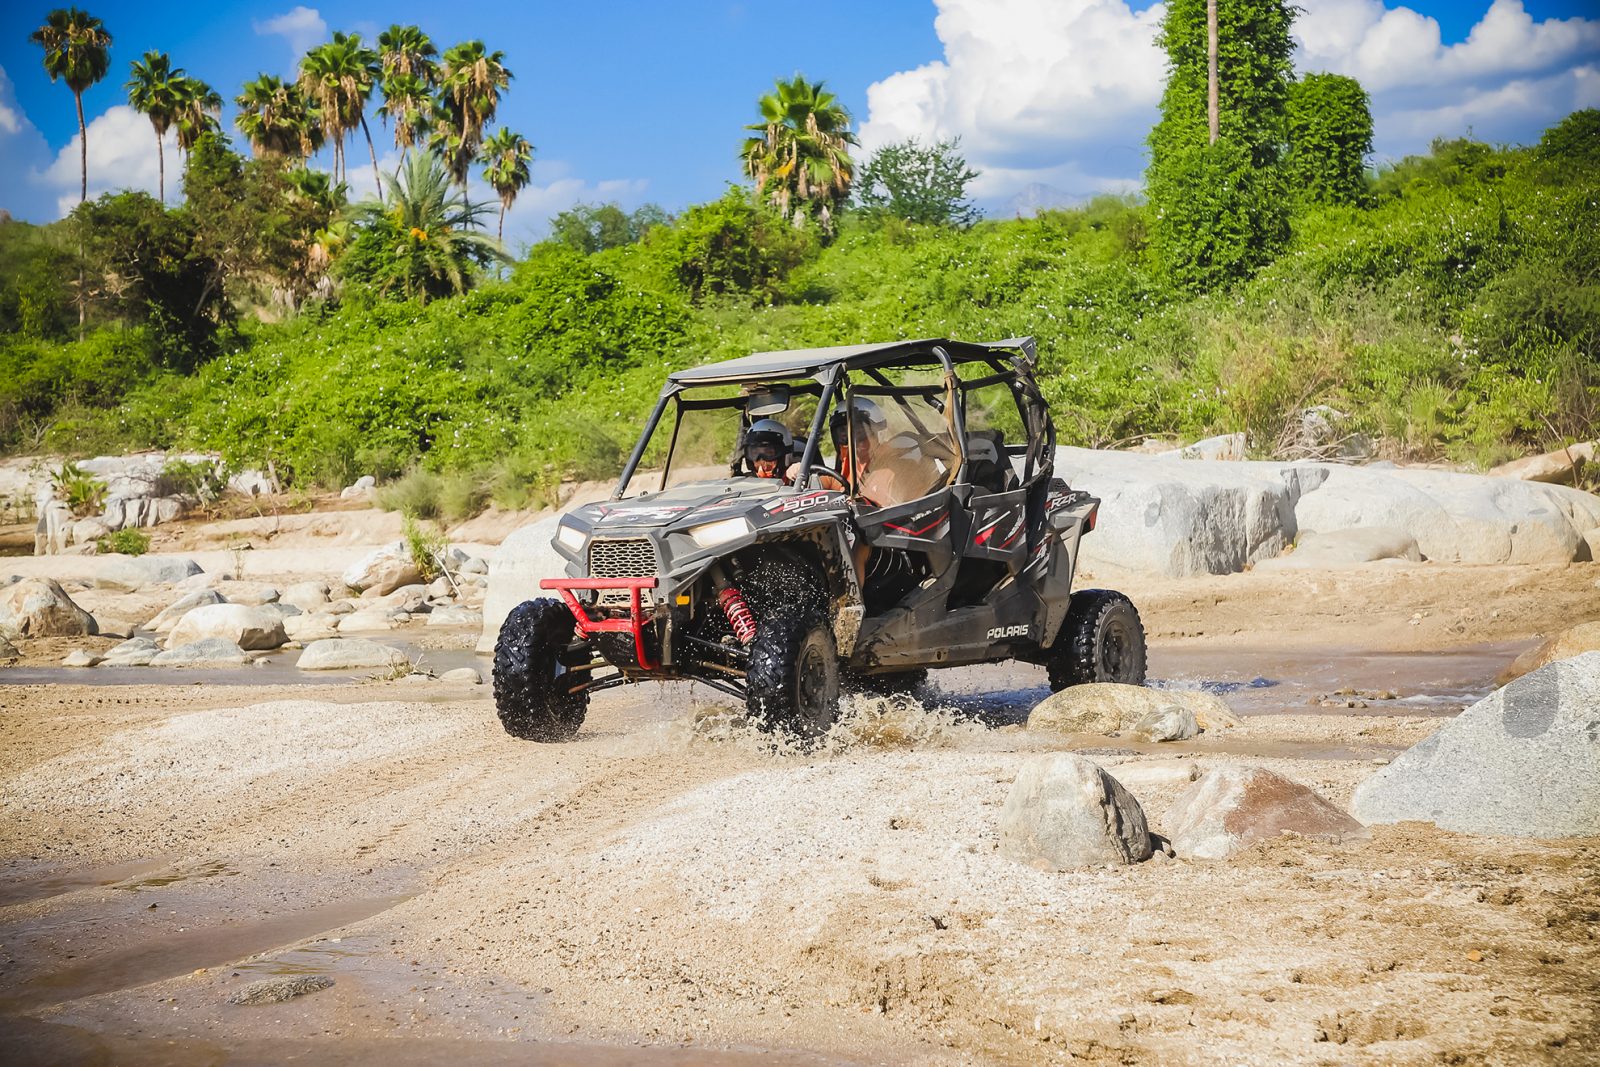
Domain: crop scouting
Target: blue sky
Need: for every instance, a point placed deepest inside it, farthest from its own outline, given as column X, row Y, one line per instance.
column 644, row 101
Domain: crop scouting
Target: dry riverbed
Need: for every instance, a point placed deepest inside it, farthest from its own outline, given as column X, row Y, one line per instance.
column 669, row 888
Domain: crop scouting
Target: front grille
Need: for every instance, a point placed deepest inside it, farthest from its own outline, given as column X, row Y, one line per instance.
column 630, row 558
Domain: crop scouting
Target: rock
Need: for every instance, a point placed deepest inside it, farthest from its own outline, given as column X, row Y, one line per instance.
column 469, row 675
column 203, row 580
column 251, row 483
column 208, row 652
column 278, row 990
column 8, row 651
column 308, row 628
column 346, row 654
column 440, row 589
column 1573, row 641
column 1228, row 446
column 384, row 569
column 111, row 626
column 1154, row 774
column 39, row 607
column 455, row 616
column 361, row 487
column 523, row 559
column 1561, row 467
column 307, row 596
column 406, row 598
column 1523, row 761
column 1169, row 723
column 282, row 611
column 79, row 657
column 474, row 565
column 245, row 626
column 1110, row 707
column 1591, row 540
column 168, row 617
column 131, row 573
column 374, row 619
column 255, row 597
column 1231, row 807
column 53, row 533
column 134, row 652
column 1346, row 548
column 1064, row 811
column 87, row 531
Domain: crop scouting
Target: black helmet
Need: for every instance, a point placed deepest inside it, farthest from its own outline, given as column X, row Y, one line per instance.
column 868, row 419
column 767, row 439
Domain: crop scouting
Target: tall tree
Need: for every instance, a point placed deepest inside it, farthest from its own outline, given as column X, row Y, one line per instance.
column 1330, row 137
column 471, row 81
column 800, row 156
column 410, row 68
column 338, row 77
column 505, row 157
column 153, row 92
column 77, row 49
column 1221, row 208
column 277, row 119
column 407, row 50
column 198, row 108
column 919, row 183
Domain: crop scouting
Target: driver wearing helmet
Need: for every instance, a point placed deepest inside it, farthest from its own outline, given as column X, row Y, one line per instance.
column 767, row 447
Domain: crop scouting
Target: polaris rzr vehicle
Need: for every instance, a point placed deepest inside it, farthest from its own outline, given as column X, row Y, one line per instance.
column 875, row 511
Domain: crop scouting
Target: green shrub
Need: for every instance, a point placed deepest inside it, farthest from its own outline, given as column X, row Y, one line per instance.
column 82, row 491
column 426, row 546
column 416, row 495
column 129, row 542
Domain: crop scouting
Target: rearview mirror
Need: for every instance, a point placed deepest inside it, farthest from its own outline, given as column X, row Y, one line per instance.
column 767, row 402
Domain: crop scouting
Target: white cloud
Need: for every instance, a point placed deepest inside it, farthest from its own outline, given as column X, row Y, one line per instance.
column 122, row 155
column 301, row 26
column 1061, row 93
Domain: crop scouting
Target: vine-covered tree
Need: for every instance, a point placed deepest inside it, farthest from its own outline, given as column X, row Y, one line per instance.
column 1329, row 121
column 77, row 50
column 1220, row 210
column 921, row 183
column 800, row 156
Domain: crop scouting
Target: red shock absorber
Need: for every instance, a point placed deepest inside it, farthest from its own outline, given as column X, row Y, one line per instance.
column 738, row 612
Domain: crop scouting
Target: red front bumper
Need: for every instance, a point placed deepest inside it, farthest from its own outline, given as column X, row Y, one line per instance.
column 633, row 624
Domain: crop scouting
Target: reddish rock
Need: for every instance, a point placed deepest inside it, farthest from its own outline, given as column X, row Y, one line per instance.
column 1231, row 807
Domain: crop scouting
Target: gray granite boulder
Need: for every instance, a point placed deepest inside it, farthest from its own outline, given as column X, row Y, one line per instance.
column 245, row 626
column 1169, row 723
column 1064, row 811
column 384, row 569
column 130, row 573
column 1524, row 761
column 1346, row 548
column 168, row 617
column 209, row 652
column 307, row 596
column 39, row 607
column 348, row 654
column 1232, row 807
column 134, row 652
column 1111, row 707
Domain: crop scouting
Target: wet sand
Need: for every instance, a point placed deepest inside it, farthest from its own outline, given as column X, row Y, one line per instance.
column 670, row 888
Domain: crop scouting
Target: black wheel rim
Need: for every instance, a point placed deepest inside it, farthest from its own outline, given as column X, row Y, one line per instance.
column 811, row 684
column 1113, row 651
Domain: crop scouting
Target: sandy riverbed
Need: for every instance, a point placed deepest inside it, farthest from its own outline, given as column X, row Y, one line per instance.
column 669, row 880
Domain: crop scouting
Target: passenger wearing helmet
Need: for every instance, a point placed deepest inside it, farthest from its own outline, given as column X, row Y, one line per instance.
column 877, row 471
column 767, row 447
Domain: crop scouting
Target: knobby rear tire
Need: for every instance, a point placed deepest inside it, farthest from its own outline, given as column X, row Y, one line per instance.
column 1102, row 640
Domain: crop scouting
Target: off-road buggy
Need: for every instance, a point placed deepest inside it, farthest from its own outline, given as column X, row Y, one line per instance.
column 940, row 538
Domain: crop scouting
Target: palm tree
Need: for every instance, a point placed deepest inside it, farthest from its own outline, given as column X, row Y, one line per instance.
column 78, row 49
column 338, row 77
column 506, row 156
column 429, row 230
column 198, row 108
column 446, row 140
column 152, row 92
column 407, row 50
column 408, row 99
column 471, row 82
column 800, row 158
column 276, row 118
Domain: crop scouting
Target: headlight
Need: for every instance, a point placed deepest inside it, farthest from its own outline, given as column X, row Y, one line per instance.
column 716, row 533
column 571, row 536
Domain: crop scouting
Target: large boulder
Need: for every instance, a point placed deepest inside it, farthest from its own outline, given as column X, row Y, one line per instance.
column 249, row 628
column 1573, row 641
column 1346, row 548
column 1232, row 807
column 1459, row 518
column 1111, row 707
column 209, row 652
column 168, row 617
column 39, row 607
column 1560, row 467
column 454, row 615
column 1064, row 811
column 1178, row 517
column 373, row 619
column 307, row 596
column 308, row 628
column 1523, row 761
column 53, row 533
column 131, row 573
column 134, row 652
column 348, row 654
column 384, row 569
column 1228, row 446
column 522, row 561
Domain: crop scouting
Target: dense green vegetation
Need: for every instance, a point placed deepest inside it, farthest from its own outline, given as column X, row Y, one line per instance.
column 1449, row 303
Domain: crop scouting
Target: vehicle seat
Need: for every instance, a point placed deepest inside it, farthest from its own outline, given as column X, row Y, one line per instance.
column 988, row 466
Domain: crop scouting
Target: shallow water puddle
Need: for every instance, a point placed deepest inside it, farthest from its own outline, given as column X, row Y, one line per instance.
column 173, row 953
column 20, row 890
